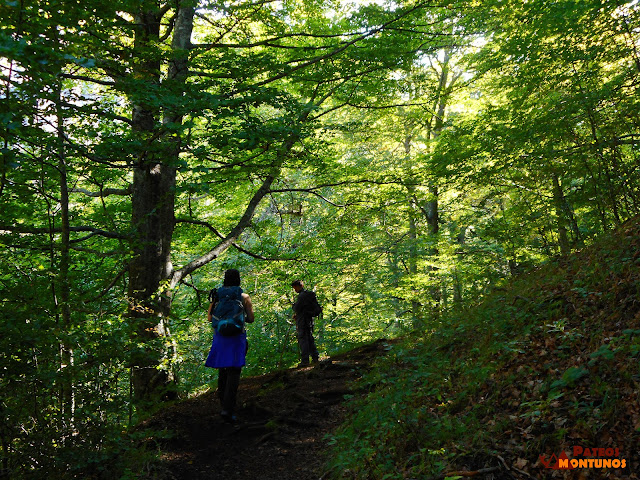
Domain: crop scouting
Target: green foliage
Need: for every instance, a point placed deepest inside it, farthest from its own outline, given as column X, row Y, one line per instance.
column 403, row 427
column 471, row 385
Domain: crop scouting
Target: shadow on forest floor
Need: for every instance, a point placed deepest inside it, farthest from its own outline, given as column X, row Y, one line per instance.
column 282, row 422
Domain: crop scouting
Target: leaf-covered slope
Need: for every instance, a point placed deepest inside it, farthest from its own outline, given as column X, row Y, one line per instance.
column 547, row 363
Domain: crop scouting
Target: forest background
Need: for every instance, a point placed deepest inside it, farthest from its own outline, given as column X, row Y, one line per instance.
column 400, row 157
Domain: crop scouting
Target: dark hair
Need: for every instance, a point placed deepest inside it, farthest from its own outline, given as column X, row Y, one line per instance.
column 231, row 278
column 296, row 283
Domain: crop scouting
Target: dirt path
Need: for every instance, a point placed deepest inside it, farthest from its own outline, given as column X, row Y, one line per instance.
column 283, row 420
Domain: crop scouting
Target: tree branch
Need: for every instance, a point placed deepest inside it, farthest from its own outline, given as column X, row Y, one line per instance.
column 311, row 191
column 229, row 239
column 87, row 109
column 234, row 244
column 464, row 473
column 269, row 42
column 104, row 192
column 44, row 230
column 348, row 182
column 105, row 290
column 177, row 276
column 84, row 78
column 338, row 50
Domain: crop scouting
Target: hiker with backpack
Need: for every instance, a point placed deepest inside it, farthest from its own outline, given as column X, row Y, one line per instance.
column 305, row 308
column 229, row 309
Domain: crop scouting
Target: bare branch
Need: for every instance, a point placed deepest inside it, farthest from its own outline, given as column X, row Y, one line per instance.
column 44, row 230
column 105, row 290
column 234, row 244
column 108, row 83
column 104, row 192
column 311, row 191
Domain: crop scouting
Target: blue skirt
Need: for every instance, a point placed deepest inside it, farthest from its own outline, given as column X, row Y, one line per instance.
column 227, row 351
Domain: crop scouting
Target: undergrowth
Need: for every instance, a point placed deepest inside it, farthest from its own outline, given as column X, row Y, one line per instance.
column 546, row 363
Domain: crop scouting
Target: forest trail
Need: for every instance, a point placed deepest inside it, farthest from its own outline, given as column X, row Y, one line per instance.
column 283, row 418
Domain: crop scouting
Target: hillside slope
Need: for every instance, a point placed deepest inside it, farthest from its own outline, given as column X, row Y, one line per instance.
column 546, row 367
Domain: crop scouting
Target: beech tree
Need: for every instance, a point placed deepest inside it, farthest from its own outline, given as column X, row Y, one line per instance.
column 163, row 103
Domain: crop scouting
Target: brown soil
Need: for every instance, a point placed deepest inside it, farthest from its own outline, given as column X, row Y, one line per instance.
column 282, row 423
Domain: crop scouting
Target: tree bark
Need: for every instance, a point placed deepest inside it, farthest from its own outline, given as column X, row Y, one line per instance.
column 152, row 218
column 558, row 199
column 416, row 311
column 64, row 290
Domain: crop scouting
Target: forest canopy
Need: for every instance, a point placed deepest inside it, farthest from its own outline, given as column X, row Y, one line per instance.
column 400, row 157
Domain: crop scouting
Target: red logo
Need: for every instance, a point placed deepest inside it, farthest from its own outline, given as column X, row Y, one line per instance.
column 585, row 458
column 556, row 462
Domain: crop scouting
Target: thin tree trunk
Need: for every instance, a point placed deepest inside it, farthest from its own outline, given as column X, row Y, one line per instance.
column 558, row 200
column 446, row 83
column 416, row 311
column 66, row 350
column 457, row 284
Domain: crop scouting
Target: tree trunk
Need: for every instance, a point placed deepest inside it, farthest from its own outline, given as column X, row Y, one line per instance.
column 457, row 284
column 152, row 277
column 153, row 223
column 446, row 83
column 416, row 310
column 64, row 297
column 558, row 199
column 152, row 217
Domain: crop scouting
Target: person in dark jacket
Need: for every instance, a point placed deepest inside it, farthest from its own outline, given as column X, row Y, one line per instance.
column 228, row 353
column 304, row 309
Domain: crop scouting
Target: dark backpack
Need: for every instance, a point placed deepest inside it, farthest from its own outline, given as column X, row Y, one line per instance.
column 315, row 308
column 308, row 304
column 228, row 315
